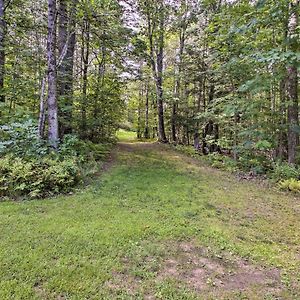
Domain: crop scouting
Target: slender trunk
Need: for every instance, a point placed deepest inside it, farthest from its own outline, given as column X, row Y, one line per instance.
column 293, row 119
column 2, row 50
column 53, row 136
column 139, row 121
column 292, row 86
column 157, row 69
column 42, row 116
column 160, row 105
column 182, row 34
column 85, row 59
column 61, row 70
column 66, row 42
column 198, row 108
column 147, row 133
column 282, row 139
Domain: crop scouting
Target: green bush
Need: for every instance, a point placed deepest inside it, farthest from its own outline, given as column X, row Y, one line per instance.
column 189, row 150
column 37, row 178
column 290, row 185
column 284, row 171
column 222, row 162
column 22, row 140
column 86, row 151
column 30, row 167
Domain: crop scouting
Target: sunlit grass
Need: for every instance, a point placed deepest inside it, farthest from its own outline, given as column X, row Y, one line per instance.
column 127, row 221
column 126, row 136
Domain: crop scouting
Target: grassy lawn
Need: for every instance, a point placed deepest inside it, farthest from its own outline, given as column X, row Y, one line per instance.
column 126, row 136
column 157, row 225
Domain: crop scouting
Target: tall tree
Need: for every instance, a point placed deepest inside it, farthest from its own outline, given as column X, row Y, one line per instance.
column 182, row 27
column 2, row 49
column 66, row 47
column 292, row 83
column 53, row 135
column 156, row 17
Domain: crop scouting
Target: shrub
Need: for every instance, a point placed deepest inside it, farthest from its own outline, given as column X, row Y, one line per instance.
column 29, row 167
column 37, row 178
column 189, row 150
column 22, row 140
column 291, row 185
column 222, row 162
column 283, row 171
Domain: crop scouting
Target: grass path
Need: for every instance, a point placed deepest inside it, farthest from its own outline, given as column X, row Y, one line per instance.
column 156, row 225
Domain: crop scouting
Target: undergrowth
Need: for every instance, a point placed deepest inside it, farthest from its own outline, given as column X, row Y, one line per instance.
column 286, row 176
column 29, row 167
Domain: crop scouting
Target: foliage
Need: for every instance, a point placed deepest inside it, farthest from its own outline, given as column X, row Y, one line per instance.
column 292, row 185
column 284, row 171
column 86, row 151
column 28, row 166
column 222, row 162
column 37, row 178
column 22, row 140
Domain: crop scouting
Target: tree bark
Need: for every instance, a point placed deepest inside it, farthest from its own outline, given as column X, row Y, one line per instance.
column 42, row 115
column 66, row 42
column 53, row 136
column 146, row 132
column 292, row 86
column 182, row 33
column 2, row 49
column 282, row 138
column 85, row 59
column 157, row 67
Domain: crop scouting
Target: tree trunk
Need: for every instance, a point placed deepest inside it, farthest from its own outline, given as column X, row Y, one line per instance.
column 159, row 82
column 85, row 59
column 182, row 34
column 292, row 86
column 42, row 115
column 66, row 42
column 146, row 132
column 198, row 109
column 282, row 138
column 157, row 68
column 53, row 136
column 2, row 49
column 139, row 120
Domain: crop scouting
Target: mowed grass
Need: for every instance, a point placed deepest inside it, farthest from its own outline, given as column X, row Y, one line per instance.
column 157, row 225
column 126, row 136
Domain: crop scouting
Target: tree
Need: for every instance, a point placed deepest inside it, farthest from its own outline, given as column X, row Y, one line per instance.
column 2, row 49
column 66, row 47
column 292, row 83
column 156, row 23
column 53, row 135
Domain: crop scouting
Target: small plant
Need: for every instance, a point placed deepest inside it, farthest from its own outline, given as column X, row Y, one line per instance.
column 284, row 171
column 222, row 162
column 290, row 185
column 22, row 140
column 37, row 178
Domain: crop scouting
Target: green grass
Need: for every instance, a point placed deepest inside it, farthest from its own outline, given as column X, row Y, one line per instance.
column 114, row 239
column 126, row 136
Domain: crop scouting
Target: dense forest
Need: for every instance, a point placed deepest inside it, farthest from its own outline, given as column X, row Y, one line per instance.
column 219, row 75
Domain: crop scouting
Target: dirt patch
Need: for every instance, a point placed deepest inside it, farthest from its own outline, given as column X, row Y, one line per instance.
column 123, row 281
column 203, row 272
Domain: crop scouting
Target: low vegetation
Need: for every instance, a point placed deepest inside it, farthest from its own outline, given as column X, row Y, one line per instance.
column 157, row 225
column 286, row 176
column 29, row 167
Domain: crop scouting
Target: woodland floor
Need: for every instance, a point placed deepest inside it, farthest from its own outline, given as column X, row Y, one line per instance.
column 155, row 225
